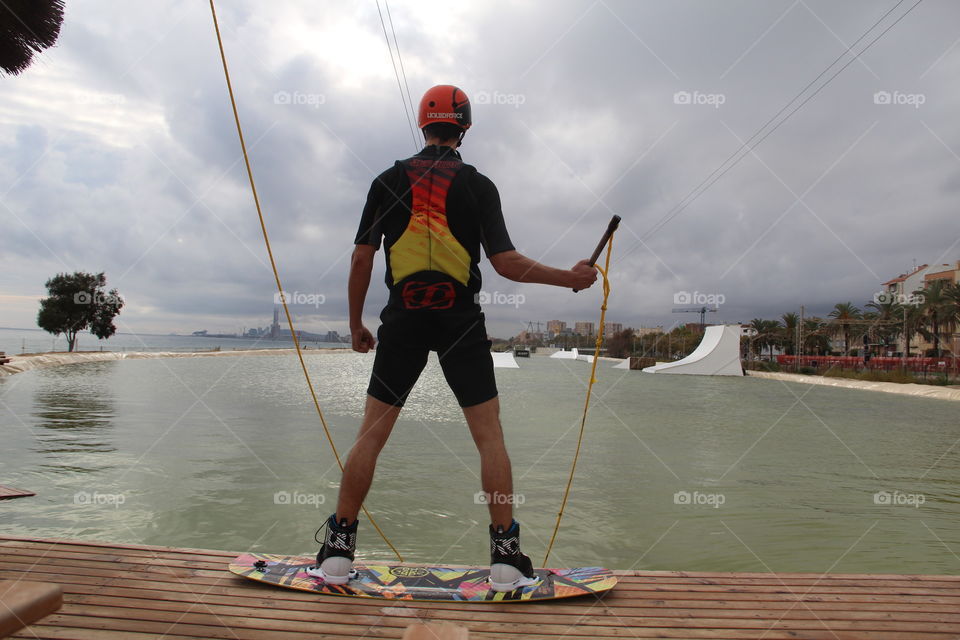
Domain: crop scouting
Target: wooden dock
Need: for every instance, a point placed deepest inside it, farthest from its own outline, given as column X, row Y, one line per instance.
column 113, row 591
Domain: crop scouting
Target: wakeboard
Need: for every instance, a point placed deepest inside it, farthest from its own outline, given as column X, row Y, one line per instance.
column 403, row 581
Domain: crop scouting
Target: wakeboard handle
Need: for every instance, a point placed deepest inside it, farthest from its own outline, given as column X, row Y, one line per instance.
column 614, row 223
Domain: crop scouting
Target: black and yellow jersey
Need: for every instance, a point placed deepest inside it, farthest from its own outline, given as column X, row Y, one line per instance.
column 433, row 212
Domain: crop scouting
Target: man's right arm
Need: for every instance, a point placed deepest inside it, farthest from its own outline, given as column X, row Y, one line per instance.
column 361, row 265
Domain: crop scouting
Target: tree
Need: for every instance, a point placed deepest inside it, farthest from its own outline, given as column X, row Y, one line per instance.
column 788, row 332
column 26, row 27
column 620, row 344
column 887, row 319
column 78, row 301
column 768, row 334
column 844, row 314
column 938, row 312
column 815, row 340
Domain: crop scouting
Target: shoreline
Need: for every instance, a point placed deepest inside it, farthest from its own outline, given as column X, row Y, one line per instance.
column 19, row 364
column 916, row 390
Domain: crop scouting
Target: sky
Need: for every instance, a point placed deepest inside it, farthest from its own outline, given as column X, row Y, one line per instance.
column 118, row 152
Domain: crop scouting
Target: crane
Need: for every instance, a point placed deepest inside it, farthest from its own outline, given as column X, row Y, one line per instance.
column 703, row 311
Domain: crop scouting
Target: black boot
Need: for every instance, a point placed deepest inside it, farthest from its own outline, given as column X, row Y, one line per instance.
column 509, row 568
column 335, row 560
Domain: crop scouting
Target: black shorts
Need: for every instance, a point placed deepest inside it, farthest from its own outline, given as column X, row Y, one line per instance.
column 406, row 338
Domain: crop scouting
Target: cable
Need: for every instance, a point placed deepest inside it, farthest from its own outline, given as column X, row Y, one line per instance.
column 276, row 273
column 406, row 111
column 396, row 43
column 586, row 405
column 708, row 182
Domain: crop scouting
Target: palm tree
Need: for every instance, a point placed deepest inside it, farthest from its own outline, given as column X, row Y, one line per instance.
column 789, row 322
column 952, row 294
column 767, row 333
column 757, row 324
column 844, row 314
column 938, row 312
column 887, row 323
column 27, row 27
column 815, row 338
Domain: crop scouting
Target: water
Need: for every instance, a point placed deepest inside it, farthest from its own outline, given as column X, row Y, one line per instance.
column 17, row 341
column 677, row 472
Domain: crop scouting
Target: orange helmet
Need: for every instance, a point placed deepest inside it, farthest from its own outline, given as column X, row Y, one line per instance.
column 445, row 103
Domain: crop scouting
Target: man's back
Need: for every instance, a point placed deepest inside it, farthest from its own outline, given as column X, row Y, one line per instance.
column 433, row 212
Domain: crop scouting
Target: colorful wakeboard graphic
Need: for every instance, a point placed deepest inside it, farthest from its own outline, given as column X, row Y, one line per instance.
column 398, row 581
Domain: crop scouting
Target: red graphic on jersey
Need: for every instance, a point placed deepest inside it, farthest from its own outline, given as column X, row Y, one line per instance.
column 428, row 295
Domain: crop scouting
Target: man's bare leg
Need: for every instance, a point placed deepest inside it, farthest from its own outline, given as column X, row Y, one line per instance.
column 378, row 420
column 495, row 474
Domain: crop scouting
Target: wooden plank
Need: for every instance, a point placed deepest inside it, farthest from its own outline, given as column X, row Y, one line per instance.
column 138, row 592
column 235, row 585
column 23, row 603
column 780, row 582
column 8, row 493
column 445, row 631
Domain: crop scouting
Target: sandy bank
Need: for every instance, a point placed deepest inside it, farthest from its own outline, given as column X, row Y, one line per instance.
column 19, row 364
column 920, row 390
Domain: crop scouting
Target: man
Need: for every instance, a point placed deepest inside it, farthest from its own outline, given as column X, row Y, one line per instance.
column 433, row 213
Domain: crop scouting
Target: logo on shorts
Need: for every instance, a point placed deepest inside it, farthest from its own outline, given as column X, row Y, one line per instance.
column 428, row 295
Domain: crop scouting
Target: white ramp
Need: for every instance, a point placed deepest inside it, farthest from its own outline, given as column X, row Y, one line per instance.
column 625, row 364
column 718, row 354
column 566, row 355
column 504, row 360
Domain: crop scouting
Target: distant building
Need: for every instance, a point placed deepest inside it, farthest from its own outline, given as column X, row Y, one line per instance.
column 610, row 329
column 584, row 329
column 332, row 336
column 275, row 327
column 555, row 327
column 647, row 331
column 950, row 274
column 901, row 290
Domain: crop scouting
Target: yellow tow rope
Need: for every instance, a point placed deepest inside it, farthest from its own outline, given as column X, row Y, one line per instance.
column 586, row 404
column 276, row 274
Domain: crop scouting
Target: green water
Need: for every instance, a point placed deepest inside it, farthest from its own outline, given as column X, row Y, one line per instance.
column 227, row 453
